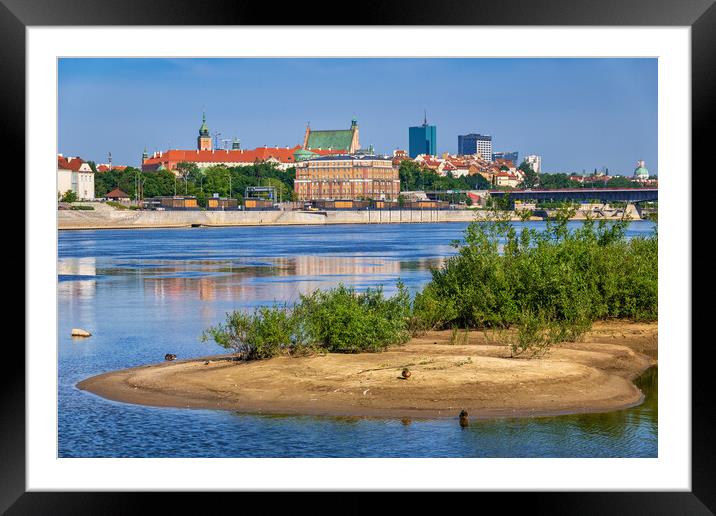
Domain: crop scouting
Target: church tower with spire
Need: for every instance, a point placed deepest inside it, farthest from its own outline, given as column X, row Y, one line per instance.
column 204, row 139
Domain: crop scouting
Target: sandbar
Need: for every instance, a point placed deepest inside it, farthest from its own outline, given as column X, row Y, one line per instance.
column 593, row 375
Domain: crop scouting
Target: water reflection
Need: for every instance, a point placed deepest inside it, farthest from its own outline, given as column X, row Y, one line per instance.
column 146, row 293
column 280, row 278
column 77, row 277
column 636, row 426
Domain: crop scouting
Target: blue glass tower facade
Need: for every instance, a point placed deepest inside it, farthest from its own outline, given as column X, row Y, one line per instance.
column 468, row 144
column 422, row 140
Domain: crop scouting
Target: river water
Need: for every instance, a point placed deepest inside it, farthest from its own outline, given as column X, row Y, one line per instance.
column 144, row 293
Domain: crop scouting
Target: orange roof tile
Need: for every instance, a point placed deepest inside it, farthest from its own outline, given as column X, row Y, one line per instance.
column 73, row 164
column 282, row 154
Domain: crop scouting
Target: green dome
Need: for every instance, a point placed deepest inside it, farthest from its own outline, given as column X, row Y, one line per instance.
column 641, row 172
column 303, row 154
column 203, row 130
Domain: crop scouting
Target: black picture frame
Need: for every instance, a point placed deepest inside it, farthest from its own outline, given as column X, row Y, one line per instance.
column 700, row 15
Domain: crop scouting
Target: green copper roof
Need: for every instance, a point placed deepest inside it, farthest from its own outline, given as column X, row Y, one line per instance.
column 203, row 130
column 337, row 140
column 302, row 154
column 641, row 171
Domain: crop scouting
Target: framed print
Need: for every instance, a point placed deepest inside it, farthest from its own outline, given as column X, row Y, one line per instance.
column 419, row 254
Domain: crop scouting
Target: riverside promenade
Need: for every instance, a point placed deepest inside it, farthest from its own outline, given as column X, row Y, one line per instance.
column 130, row 219
column 105, row 217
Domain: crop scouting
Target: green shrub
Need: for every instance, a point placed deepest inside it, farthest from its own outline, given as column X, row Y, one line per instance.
column 267, row 332
column 81, row 208
column 343, row 320
column 336, row 320
column 431, row 312
column 69, row 196
column 552, row 285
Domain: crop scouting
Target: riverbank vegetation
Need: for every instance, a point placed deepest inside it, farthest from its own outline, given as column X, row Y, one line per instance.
column 339, row 320
column 533, row 287
column 202, row 183
column 413, row 176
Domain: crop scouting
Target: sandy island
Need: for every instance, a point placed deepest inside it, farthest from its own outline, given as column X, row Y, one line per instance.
column 594, row 375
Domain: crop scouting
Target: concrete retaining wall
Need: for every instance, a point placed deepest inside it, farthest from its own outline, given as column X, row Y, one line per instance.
column 165, row 219
column 126, row 219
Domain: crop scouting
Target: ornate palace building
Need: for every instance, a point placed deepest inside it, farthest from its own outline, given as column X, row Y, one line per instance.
column 346, row 176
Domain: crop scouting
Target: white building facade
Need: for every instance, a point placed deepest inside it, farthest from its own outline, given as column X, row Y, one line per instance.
column 76, row 175
column 535, row 162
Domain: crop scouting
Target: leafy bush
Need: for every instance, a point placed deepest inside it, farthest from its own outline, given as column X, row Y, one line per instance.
column 343, row 320
column 81, row 207
column 430, row 311
column 336, row 320
column 550, row 284
column 69, row 196
column 267, row 332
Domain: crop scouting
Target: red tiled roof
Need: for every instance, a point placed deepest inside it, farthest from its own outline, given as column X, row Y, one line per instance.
column 117, row 194
column 282, row 154
column 506, row 162
column 73, row 164
column 105, row 168
column 473, row 196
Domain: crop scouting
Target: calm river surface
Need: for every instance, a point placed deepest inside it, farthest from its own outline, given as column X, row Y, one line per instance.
column 143, row 293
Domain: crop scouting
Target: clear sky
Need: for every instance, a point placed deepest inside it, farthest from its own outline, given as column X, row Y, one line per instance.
column 578, row 114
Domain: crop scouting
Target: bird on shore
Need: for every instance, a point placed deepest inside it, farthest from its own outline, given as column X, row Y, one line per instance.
column 170, row 356
column 463, row 418
column 406, row 373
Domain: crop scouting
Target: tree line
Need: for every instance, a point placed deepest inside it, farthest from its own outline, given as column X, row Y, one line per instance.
column 201, row 183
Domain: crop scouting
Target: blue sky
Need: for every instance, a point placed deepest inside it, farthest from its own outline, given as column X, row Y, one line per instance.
column 578, row 114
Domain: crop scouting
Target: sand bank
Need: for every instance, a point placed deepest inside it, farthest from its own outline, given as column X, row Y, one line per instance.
column 594, row 375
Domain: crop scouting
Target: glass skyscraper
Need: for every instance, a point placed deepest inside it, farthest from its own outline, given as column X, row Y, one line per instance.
column 468, row 144
column 422, row 140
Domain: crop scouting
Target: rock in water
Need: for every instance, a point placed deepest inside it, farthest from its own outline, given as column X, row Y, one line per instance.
column 79, row 332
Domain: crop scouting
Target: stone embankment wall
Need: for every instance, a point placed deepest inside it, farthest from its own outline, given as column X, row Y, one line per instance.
column 103, row 218
column 165, row 219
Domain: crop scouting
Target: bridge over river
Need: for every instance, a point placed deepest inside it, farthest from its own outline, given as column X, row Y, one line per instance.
column 605, row 195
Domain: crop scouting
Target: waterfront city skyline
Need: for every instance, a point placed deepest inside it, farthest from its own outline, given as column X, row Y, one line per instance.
column 578, row 114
